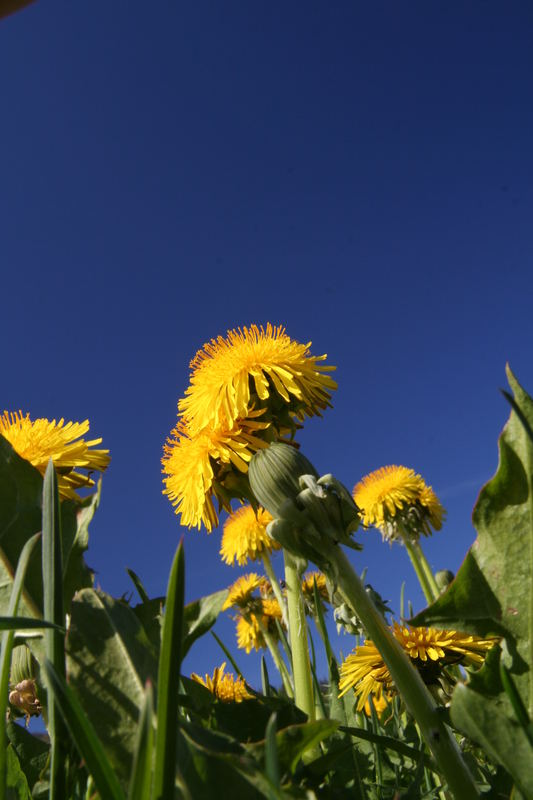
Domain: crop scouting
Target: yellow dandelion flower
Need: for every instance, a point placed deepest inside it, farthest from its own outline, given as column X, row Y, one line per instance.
column 442, row 645
column 380, row 704
column 430, row 649
column 195, row 467
column 365, row 672
column 251, row 367
column 241, row 592
column 249, row 633
column 395, row 499
column 40, row 440
column 271, row 612
column 308, row 581
column 251, row 626
column 225, row 687
column 245, row 537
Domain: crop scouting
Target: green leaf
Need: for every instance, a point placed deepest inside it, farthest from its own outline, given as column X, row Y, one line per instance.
column 84, row 736
column 7, row 647
column 32, row 752
column 295, row 740
column 200, row 616
column 141, row 775
column 17, row 785
column 109, row 661
column 23, row 624
column 493, row 593
column 21, row 491
column 168, row 680
column 53, row 612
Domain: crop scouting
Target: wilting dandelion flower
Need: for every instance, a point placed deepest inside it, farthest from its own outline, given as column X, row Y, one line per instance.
column 245, row 536
column 398, row 502
column 40, row 440
column 225, row 687
column 430, row 650
column 251, row 368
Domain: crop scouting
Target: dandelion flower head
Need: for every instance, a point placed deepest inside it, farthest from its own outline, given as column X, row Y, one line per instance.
column 40, row 440
column 245, row 536
column 197, row 468
column 398, row 502
column 431, row 650
column 253, row 367
column 225, row 687
column 242, row 591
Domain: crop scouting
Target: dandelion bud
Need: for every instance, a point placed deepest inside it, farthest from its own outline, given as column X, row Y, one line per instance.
column 274, row 474
column 443, row 578
column 24, row 694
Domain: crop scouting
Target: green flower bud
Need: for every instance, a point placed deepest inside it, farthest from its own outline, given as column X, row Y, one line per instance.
column 274, row 474
column 443, row 579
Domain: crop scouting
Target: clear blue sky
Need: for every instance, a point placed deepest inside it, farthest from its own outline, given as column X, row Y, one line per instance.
column 360, row 172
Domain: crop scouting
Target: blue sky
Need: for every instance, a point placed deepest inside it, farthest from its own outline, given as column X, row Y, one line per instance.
column 360, row 173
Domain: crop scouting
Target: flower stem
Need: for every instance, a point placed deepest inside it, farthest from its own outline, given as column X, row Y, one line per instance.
column 276, row 588
column 408, row 682
column 420, row 572
column 424, row 563
column 278, row 660
column 301, row 666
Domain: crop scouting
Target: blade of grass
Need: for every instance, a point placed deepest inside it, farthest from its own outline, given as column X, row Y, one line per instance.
column 265, row 683
column 227, row 654
column 53, row 612
column 5, row 656
column 141, row 775
column 392, row 744
column 83, row 735
column 26, row 623
column 168, row 681
column 271, row 756
column 138, row 585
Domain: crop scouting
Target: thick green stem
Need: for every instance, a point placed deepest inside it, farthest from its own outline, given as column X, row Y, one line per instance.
column 424, row 563
column 301, row 666
column 276, row 588
column 420, row 572
column 407, row 680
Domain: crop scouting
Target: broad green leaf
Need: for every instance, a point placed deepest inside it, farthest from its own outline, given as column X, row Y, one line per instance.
column 109, row 661
column 493, row 593
column 200, row 616
column 295, row 740
column 31, row 751
column 21, row 488
column 83, row 736
column 17, row 784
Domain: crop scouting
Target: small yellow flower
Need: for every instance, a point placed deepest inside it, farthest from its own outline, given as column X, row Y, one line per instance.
column 308, row 582
column 251, row 368
column 40, row 440
column 196, row 468
column 398, row 502
column 250, row 626
column 241, row 592
column 225, row 687
column 245, row 536
column 430, row 649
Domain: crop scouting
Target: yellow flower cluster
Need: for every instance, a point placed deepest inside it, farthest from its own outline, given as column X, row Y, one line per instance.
column 225, row 687
column 245, row 390
column 40, row 440
column 245, row 537
column 365, row 672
